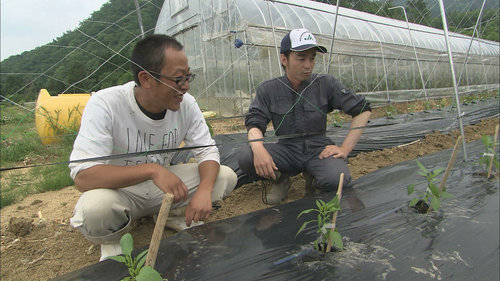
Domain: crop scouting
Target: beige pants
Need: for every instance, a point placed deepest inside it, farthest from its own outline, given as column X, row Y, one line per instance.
column 104, row 215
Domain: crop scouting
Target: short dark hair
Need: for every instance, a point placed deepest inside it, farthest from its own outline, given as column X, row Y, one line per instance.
column 149, row 53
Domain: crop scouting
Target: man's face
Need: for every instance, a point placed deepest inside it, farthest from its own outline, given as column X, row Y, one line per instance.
column 299, row 65
column 168, row 93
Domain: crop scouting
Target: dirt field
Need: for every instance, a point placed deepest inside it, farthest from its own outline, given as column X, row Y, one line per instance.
column 37, row 242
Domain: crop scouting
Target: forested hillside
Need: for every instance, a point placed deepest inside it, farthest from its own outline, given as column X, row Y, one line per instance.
column 81, row 53
column 93, row 56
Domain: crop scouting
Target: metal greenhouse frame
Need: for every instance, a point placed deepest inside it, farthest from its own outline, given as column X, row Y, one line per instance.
column 387, row 59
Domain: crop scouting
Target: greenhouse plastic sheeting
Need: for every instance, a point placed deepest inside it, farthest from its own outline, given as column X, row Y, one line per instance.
column 380, row 133
column 383, row 238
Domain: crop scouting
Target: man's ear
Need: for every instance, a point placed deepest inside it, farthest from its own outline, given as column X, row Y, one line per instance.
column 146, row 79
column 284, row 60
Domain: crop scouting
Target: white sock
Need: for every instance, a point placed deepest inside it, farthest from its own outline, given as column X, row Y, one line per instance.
column 108, row 250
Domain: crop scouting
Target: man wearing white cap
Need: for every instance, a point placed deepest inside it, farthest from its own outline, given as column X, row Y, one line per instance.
column 297, row 104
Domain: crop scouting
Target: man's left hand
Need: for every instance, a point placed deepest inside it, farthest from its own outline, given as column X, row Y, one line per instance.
column 334, row 151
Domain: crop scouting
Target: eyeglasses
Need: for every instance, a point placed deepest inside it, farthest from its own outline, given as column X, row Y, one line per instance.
column 179, row 80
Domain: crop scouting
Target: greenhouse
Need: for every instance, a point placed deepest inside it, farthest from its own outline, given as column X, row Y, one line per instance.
column 233, row 45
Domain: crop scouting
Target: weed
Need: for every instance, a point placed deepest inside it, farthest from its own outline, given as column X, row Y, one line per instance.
column 411, row 108
column 325, row 212
column 136, row 268
column 335, row 118
column 210, row 128
column 391, row 111
column 431, row 194
column 427, row 105
column 52, row 177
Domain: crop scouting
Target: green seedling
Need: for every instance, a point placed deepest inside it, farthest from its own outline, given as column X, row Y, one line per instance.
column 325, row 212
column 391, row 111
column 411, row 108
column 335, row 118
column 136, row 268
column 431, row 194
column 489, row 154
column 427, row 105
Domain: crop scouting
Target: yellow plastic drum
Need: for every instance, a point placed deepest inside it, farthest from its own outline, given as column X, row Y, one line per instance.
column 58, row 116
column 208, row 114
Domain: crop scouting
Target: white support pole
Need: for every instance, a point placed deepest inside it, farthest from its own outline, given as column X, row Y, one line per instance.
column 470, row 44
column 274, row 38
column 139, row 17
column 333, row 37
column 414, row 50
column 455, row 87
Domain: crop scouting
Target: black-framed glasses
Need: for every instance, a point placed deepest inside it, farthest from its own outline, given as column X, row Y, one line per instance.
column 179, row 80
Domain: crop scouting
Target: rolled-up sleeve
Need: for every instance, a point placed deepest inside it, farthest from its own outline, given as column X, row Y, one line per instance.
column 347, row 100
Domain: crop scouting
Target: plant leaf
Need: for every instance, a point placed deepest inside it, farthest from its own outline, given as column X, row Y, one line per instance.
column 438, row 171
column 434, row 190
column 148, row 273
column 422, row 167
column 127, row 243
column 303, row 227
column 117, row 258
column 435, row 203
column 337, row 239
column 413, row 202
column 410, row 188
column 305, row 212
column 141, row 259
column 445, row 194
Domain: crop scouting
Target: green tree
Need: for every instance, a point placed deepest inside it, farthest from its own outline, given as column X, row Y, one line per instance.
column 418, row 12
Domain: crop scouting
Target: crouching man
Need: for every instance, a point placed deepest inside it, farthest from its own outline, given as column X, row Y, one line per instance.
column 154, row 112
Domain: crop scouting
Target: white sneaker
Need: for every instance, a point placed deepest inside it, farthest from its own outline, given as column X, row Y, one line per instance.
column 109, row 250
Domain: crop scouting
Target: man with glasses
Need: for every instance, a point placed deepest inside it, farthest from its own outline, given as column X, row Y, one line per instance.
column 297, row 104
column 152, row 113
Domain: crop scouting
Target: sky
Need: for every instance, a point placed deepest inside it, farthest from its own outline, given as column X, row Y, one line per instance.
column 27, row 24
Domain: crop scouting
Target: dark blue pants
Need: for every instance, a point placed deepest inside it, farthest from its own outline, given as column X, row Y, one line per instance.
column 297, row 157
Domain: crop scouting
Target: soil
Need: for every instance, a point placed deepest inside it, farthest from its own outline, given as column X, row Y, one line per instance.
column 37, row 242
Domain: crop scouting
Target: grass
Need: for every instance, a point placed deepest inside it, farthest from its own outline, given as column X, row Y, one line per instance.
column 21, row 146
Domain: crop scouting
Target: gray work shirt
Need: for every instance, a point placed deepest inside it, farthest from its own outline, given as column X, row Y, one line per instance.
column 304, row 111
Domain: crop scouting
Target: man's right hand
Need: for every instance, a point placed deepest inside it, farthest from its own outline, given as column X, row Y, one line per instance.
column 171, row 183
column 263, row 162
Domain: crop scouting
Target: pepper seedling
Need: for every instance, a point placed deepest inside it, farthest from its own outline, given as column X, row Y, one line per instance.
column 325, row 212
column 431, row 194
column 136, row 268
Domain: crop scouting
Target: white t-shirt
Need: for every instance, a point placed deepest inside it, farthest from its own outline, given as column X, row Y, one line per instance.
column 112, row 123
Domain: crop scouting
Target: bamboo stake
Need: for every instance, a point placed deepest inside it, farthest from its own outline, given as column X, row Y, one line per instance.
column 334, row 218
column 448, row 168
column 493, row 156
column 159, row 227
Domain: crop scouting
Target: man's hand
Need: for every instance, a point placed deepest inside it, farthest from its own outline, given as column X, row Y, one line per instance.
column 334, row 151
column 263, row 162
column 170, row 183
column 199, row 207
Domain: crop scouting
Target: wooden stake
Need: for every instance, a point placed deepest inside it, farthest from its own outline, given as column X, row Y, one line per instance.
column 450, row 163
column 493, row 156
column 158, row 231
column 448, row 168
column 334, row 218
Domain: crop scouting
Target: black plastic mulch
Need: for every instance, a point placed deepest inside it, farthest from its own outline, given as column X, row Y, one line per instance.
column 383, row 238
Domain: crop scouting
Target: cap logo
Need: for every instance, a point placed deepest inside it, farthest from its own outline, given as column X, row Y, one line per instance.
column 308, row 37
